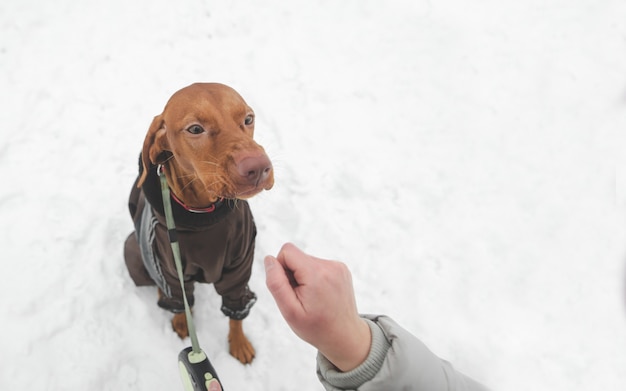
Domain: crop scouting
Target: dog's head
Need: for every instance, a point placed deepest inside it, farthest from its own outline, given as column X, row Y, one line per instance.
column 204, row 138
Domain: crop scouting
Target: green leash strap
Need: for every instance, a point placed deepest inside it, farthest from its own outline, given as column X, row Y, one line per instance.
column 171, row 232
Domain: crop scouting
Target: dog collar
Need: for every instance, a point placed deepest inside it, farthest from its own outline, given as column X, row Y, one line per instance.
column 208, row 209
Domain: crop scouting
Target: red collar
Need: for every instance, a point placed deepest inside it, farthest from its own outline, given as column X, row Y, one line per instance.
column 208, row 209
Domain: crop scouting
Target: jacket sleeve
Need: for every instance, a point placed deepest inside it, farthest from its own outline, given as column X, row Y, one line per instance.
column 397, row 361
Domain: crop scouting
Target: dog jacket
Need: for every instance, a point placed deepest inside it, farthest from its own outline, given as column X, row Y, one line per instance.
column 216, row 247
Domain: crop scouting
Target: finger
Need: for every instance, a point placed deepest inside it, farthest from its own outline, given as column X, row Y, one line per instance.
column 297, row 262
column 277, row 281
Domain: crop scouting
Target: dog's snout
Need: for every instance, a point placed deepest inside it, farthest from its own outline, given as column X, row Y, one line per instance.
column 254, row 170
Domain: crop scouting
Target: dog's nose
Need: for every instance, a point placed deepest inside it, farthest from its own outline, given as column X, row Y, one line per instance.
column 254, row 170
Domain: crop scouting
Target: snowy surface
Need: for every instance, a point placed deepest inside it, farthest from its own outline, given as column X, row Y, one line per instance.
column 465, row 159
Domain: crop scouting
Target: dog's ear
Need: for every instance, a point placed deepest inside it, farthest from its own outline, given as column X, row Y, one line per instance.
column 154, row 145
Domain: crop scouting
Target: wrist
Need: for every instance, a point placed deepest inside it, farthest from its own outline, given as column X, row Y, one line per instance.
column 350, row 349
column 366, row 371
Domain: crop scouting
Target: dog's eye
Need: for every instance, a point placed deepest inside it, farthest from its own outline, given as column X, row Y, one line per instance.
column 195, row 129
column 249, row 119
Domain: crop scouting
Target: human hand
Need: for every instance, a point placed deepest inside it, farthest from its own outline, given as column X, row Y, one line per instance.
column 316, row 298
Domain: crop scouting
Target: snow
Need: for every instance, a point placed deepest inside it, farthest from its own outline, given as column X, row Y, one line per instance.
column 463, row 158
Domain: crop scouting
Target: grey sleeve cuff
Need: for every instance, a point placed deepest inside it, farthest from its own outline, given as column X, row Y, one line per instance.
column 330, row 376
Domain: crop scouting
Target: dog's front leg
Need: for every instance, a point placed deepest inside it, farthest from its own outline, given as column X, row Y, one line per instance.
column 238, row 344
column 179, row 324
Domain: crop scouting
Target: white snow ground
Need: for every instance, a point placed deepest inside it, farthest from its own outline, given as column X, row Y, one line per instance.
column 465, row 159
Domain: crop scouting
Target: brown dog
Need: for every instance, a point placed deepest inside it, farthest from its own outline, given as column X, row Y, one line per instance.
column 203, row 144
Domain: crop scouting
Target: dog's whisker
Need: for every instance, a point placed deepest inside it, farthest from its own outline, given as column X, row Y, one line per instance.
column 189, row 183
column 211, row 163
column 210, row 186
column 170, row 157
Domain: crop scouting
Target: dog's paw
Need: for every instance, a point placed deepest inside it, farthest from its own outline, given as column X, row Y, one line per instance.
column 179, row 324
column 240, row 348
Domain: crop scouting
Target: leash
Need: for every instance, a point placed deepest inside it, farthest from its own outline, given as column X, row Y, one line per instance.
column 196, row 370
